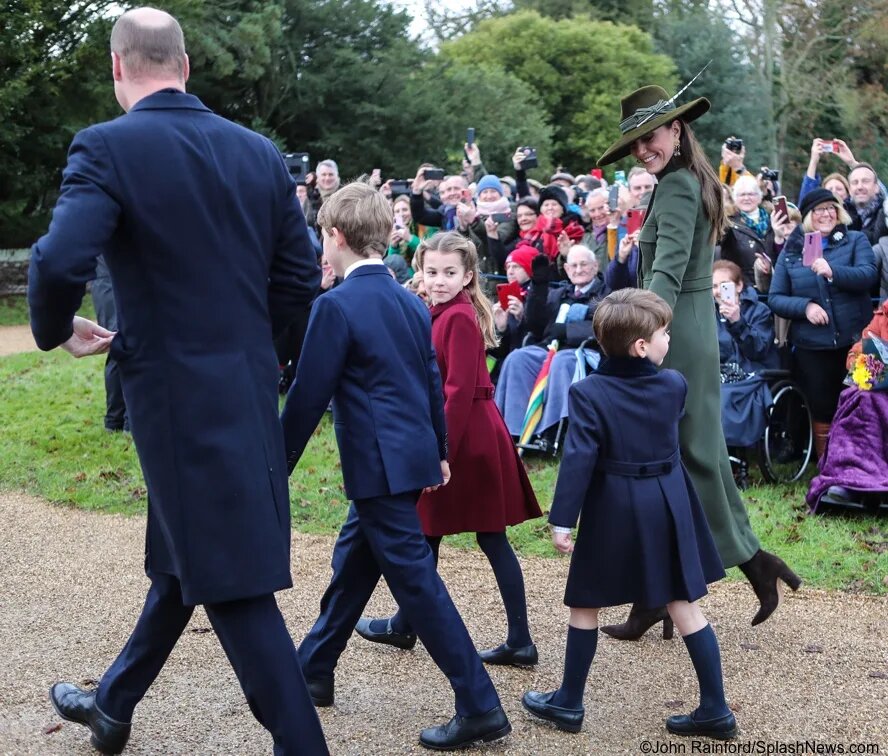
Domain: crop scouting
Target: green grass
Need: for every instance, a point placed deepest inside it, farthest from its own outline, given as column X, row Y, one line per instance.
column 14, row 309
column 52, row 444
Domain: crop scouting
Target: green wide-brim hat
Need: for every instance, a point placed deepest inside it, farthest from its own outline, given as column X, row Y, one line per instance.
column 643, row 111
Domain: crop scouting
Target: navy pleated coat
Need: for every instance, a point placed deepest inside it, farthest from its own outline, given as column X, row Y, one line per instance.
column 642, row 536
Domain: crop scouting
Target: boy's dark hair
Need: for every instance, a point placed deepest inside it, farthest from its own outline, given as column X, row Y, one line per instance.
column 627, row 315
column 362, row 215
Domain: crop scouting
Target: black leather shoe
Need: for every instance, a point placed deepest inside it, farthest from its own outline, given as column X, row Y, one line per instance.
column 464, row 732
column 720, row 728
column 524, row 656
column 404, row 641
column 78, row 705
column 538, row 704
column 321, row 691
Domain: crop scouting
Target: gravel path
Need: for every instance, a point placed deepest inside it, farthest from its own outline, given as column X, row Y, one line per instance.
column 15, row 339
column 73, row 586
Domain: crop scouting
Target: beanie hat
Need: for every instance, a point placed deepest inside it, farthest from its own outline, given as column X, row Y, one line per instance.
column 523, row 255
column 489, row 182
column 817, row 197
column 554, row 193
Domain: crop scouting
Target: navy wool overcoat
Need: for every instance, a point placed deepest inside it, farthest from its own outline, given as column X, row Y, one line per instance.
column 208, row 252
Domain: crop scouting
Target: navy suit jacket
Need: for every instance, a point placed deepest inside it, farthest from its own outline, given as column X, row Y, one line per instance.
column 369, row 348
column 206, row 243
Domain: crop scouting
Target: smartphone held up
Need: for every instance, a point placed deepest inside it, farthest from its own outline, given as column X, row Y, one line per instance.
column 727, row 292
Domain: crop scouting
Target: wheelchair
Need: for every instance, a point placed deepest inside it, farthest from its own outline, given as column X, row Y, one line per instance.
column 786, row 447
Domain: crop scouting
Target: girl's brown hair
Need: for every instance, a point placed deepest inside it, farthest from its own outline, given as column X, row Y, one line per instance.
column 450, row 241
column 695, row 160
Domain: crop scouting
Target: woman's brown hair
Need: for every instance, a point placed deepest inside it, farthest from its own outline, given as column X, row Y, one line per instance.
column 450, row 241
column 695, row 160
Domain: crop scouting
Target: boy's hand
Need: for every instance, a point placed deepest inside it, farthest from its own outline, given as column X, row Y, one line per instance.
column 563, row 542
column 445, row 473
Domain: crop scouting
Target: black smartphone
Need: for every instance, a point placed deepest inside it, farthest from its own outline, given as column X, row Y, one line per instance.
column 470, row 135
column 530, row 158
column 400, row 186
column 433, row 174
column 613, row 198
column 501, row 217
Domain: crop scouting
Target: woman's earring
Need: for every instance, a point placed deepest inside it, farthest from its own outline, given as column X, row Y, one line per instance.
column 676, row 152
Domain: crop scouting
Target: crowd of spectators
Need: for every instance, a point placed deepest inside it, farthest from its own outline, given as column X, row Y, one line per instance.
column 564, row 245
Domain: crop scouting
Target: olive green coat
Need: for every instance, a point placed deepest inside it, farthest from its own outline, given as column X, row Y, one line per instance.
column 676, row 263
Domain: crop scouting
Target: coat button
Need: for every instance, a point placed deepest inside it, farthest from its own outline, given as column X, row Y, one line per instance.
column 642, row 470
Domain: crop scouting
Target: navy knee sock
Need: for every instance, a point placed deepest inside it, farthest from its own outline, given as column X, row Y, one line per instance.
column 703, row 649
column 507, row 572
column 399, row 621
column 578, row 655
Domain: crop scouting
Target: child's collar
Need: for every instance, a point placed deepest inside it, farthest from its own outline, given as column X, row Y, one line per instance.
column 627, row 366
column 461, row 298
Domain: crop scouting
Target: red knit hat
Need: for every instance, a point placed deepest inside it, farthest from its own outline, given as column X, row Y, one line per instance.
column 523, row 255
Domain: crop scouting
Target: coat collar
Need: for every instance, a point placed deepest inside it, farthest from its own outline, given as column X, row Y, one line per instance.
column 626, row 367
column 460, row 299
column 170, row 99
column 369, row 270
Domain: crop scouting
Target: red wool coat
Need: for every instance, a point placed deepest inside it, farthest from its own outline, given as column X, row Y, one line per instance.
column 488, row 488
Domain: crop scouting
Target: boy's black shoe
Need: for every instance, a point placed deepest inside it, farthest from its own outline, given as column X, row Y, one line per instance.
column 404, row 641
column 523, row 656
column 78, row 705
column 464, row 732
column 321, row 691
column 538, row 704
column 720, row 728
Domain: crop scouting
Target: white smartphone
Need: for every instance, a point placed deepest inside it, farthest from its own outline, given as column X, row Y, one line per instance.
column 728, row 292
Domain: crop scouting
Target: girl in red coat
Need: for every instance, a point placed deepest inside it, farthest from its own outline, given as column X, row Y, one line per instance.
column 489, row 489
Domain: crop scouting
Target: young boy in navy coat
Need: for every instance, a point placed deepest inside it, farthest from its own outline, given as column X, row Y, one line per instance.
column 643, row 537
column 368, row 346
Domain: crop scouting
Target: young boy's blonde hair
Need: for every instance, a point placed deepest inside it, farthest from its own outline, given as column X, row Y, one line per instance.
column 627, row 315
column 362, row 215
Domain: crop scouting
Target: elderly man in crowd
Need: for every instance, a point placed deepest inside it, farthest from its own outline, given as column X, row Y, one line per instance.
column 563, row 314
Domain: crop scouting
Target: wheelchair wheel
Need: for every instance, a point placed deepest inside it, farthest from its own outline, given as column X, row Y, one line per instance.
column 788, row 443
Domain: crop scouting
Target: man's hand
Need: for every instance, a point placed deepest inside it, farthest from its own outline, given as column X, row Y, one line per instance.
column 419, row 182
column 516, row 307
column 88, row 338
column 563, row 542
column 466, row 213
column 844, row 153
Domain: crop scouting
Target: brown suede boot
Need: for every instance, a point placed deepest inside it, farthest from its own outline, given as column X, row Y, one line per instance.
column 639, row 622
column 821, row 433
column 763, row 571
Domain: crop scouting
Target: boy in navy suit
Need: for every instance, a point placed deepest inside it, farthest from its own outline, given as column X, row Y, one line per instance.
column 368, row 346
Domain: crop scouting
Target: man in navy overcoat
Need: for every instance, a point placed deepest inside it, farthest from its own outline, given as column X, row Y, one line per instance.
column 197, row 220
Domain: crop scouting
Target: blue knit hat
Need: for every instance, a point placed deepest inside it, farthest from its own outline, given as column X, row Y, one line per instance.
column 490, row 182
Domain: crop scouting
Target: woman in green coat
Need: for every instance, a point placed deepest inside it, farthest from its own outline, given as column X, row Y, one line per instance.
column 676, row 243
